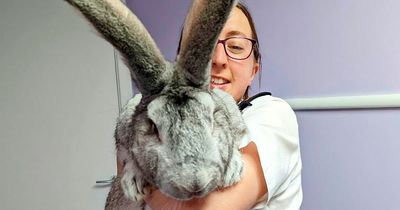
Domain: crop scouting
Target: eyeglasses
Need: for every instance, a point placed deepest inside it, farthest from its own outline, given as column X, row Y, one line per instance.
column 238, row 48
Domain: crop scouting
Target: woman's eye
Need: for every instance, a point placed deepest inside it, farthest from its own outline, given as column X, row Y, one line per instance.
column 235, row 48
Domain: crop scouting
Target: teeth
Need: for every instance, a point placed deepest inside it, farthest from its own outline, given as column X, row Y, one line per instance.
column 218, row 81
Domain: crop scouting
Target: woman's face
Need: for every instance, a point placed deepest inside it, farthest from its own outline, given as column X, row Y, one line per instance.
column 233, row 76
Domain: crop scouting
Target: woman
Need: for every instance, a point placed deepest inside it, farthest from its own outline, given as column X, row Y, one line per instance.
column 271, row 154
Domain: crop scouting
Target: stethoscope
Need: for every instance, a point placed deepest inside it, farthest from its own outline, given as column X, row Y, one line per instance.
column 245, row 103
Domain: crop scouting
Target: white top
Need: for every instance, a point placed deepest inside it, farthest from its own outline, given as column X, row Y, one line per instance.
column 273, row 128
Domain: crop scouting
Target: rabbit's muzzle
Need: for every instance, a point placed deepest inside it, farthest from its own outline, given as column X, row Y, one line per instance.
column 197, row 185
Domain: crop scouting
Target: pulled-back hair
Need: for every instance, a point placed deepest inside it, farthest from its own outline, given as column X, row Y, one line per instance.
column 256, row 50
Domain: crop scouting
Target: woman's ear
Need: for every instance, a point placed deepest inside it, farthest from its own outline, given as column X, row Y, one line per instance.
column 254, row 71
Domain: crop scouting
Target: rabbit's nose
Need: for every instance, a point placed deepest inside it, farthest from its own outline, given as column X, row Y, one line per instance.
column 199, row 189
column 193, row 190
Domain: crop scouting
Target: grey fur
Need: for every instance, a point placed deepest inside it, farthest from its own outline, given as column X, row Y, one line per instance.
column 180, row 136
column 125, row 31
column 202, row 27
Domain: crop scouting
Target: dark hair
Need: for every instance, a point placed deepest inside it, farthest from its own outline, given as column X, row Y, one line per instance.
column 256, row 50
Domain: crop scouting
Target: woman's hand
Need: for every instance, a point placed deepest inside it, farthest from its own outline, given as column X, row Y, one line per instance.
column 241, row 196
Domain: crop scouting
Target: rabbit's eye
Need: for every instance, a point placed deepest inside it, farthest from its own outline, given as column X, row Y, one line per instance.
column 153, row 129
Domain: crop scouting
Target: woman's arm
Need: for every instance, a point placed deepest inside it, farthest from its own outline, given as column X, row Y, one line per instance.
column 243, row 195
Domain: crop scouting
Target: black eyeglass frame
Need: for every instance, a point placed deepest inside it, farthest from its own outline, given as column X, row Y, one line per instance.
column 223, row 41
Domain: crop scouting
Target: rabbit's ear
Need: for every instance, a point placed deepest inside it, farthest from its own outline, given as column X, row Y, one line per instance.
column 125, row 31
column 202, row 27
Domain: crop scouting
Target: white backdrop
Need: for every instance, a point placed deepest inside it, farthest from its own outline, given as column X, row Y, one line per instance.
column 58, row 105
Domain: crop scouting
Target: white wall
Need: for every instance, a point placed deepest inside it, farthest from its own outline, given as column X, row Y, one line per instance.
column 58, row 105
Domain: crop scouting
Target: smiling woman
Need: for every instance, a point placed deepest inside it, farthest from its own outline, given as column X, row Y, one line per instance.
column 234, row 72
column 271, row 153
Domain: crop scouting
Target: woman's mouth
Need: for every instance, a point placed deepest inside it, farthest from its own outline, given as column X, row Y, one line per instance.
column 218, row 82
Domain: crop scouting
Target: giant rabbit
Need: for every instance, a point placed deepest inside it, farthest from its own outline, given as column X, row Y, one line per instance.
column 179, row 136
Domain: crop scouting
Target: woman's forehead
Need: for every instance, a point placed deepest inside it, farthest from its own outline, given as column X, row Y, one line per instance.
column 237, row 25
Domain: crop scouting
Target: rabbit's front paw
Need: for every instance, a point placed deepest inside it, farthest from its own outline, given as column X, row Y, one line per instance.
column 134, row 187
column 234, row 171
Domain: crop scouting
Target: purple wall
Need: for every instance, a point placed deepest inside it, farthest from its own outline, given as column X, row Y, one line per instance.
column 331, row 47
column 350, row 159
column 324, row 48
column 163, row 20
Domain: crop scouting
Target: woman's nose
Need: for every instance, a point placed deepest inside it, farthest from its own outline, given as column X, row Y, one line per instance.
column 219, row 57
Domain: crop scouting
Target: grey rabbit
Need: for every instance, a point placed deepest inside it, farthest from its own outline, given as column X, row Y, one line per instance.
column 178, row 136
